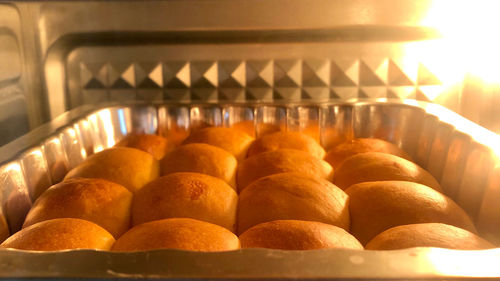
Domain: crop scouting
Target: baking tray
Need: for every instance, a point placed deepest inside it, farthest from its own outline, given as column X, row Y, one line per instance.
column 460, row 154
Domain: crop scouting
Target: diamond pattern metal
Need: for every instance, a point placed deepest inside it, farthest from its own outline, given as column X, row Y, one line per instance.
column 316, row 73
column 426, row 77
column 287, row 73
column 373, row 72
column 204, row 74
column 344, row 93
column 259, row 73
column 149, row 75
column 344, row 72
column 121, row 76
column 287, row 94
column 177, row 75
column 291, row 80
column 396, row 75
column 94, row 76
column 232, row 74
column 403, row 92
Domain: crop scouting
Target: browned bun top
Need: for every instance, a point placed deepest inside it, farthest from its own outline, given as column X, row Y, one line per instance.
column 129, row 167
column 99, row 201
column 355, row 146
column 155, row 145
column 246, row 126
column 201, row 158
column 292, row 196
column 286, row 140
column 377, row 166
column 60, row 234
column 297, row 235
column 234, row 141
column 427, row 235
column 177, row 233
column 187, row 195
column 281, row 161
column 377, row 206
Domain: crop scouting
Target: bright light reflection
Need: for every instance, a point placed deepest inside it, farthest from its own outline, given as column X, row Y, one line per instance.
column 467, row 263
column 13, row 167
column 107, row 122
column 83, row 153
column 470, row 30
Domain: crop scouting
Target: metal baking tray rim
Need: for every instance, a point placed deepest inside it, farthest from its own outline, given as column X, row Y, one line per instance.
column 249, row 263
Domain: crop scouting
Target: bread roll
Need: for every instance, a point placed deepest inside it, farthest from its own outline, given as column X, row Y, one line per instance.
column 155, row 145
column 281, row 161
column 427, row 235
column 188, row 195
column 298, row 235
column 355, row 146
column 376, row 166
column 100, row 201
column 201, row 158
column 129, row 167
column 234, row 141
column 246, row 126
column 286, row 140
column 377, row 206
column 291, row 196
column 177, row 233
column 60, row 234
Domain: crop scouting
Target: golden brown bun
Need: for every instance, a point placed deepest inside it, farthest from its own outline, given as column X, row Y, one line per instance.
column 376, row 166
column 100, row 201
column 152, row 144
column 286, row 140
column 201, row 158
column 291, row 196
column 246, row 126
column 129, row 167
column 173, row 132
column 177, row 233
column 298, row 235
column 281, row 161
column 427, row 235
column 186, row 195
column 355, row 146
column 234, row 141
column 377, row 206
column 61, row 234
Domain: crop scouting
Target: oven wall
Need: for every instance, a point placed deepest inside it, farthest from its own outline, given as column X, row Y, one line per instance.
column 59, row 55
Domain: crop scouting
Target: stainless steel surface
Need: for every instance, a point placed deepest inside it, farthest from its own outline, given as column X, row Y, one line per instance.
column 59, row 55
column 461, row 154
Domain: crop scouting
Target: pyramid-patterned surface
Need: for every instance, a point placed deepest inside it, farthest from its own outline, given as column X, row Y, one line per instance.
column 177, row 74
column 122, row 76
column 397, row 75
column 204, row 74
column 316, row 73
column 149, row 75
column 402, row 92
column 93, row 75
column 232, row 74
column 373, row 71
column 259, row 73
column 344, row 72
column 263, row 80
column 287, row 73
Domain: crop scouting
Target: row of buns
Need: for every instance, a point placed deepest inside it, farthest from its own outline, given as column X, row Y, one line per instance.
column 282, row 183
column 195, row 235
